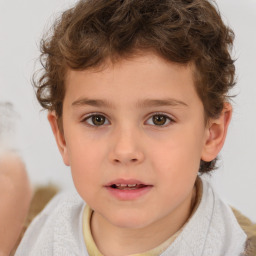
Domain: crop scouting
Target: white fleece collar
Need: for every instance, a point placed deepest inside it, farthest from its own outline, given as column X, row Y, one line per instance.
column 212, row 231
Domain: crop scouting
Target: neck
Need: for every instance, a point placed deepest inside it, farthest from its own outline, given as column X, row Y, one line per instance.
column 112, row 240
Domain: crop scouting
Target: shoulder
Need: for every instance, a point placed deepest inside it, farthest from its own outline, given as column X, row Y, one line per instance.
column 67, row 201
column 221, row 212
column 235, row 221
column 56, row 230
column 216, row 225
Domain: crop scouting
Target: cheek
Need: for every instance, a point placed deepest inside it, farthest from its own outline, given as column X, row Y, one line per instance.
column 176, row 165
column 85, row 163
column 177, row 158
column 177, row 153
column 84, row 151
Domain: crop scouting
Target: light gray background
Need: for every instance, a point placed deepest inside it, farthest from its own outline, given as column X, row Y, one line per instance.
column 22, row 23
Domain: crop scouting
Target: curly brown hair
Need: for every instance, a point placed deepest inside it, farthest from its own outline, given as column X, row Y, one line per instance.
column 180, row 31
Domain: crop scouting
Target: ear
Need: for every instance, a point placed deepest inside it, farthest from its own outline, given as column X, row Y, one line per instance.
column 216, row 134
column 59, row 136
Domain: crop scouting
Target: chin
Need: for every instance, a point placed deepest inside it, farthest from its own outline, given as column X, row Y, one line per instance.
column 130, row 221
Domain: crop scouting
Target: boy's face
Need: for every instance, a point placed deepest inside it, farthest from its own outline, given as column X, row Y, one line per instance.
column 139, row 123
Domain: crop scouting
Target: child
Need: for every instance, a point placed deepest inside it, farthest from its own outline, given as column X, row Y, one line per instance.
column 137, row 97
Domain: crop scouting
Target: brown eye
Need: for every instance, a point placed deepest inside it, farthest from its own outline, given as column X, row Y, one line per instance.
column 159, row 119
column 96, row 120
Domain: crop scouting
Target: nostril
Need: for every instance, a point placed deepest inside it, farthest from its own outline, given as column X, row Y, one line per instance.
column 131, row 160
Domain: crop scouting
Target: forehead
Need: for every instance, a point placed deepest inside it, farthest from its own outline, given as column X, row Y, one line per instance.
column 141, row 77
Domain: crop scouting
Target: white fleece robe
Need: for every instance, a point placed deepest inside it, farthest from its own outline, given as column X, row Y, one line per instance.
column 212, row 230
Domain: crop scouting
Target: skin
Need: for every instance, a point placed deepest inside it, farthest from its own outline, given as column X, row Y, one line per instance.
column 15, row 197
column 129, row 144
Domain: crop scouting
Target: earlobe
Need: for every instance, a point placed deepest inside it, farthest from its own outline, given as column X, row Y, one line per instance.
column 59, row 137
column 216, row 134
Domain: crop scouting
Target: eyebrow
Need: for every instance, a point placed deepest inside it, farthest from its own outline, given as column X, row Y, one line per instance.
column 160, row 102
column 141, row 104
column 92, row 102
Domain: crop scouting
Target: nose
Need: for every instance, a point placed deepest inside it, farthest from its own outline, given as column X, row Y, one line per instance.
column 126, row 147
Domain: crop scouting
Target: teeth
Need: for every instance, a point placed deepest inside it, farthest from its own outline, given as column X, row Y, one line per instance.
column 126, row 185
column 132, row 185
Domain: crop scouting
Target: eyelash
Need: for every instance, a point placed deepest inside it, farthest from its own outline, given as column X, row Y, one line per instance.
column 85, row 120
column 169, row 120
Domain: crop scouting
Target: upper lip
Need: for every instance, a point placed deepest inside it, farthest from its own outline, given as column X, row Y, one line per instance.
column 126, row 182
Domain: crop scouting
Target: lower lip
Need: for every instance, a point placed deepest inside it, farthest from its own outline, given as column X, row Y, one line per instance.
column 127, row 194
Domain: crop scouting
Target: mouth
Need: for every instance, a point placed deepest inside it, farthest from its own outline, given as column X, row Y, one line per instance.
column 128, row 189
column 128, row 186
